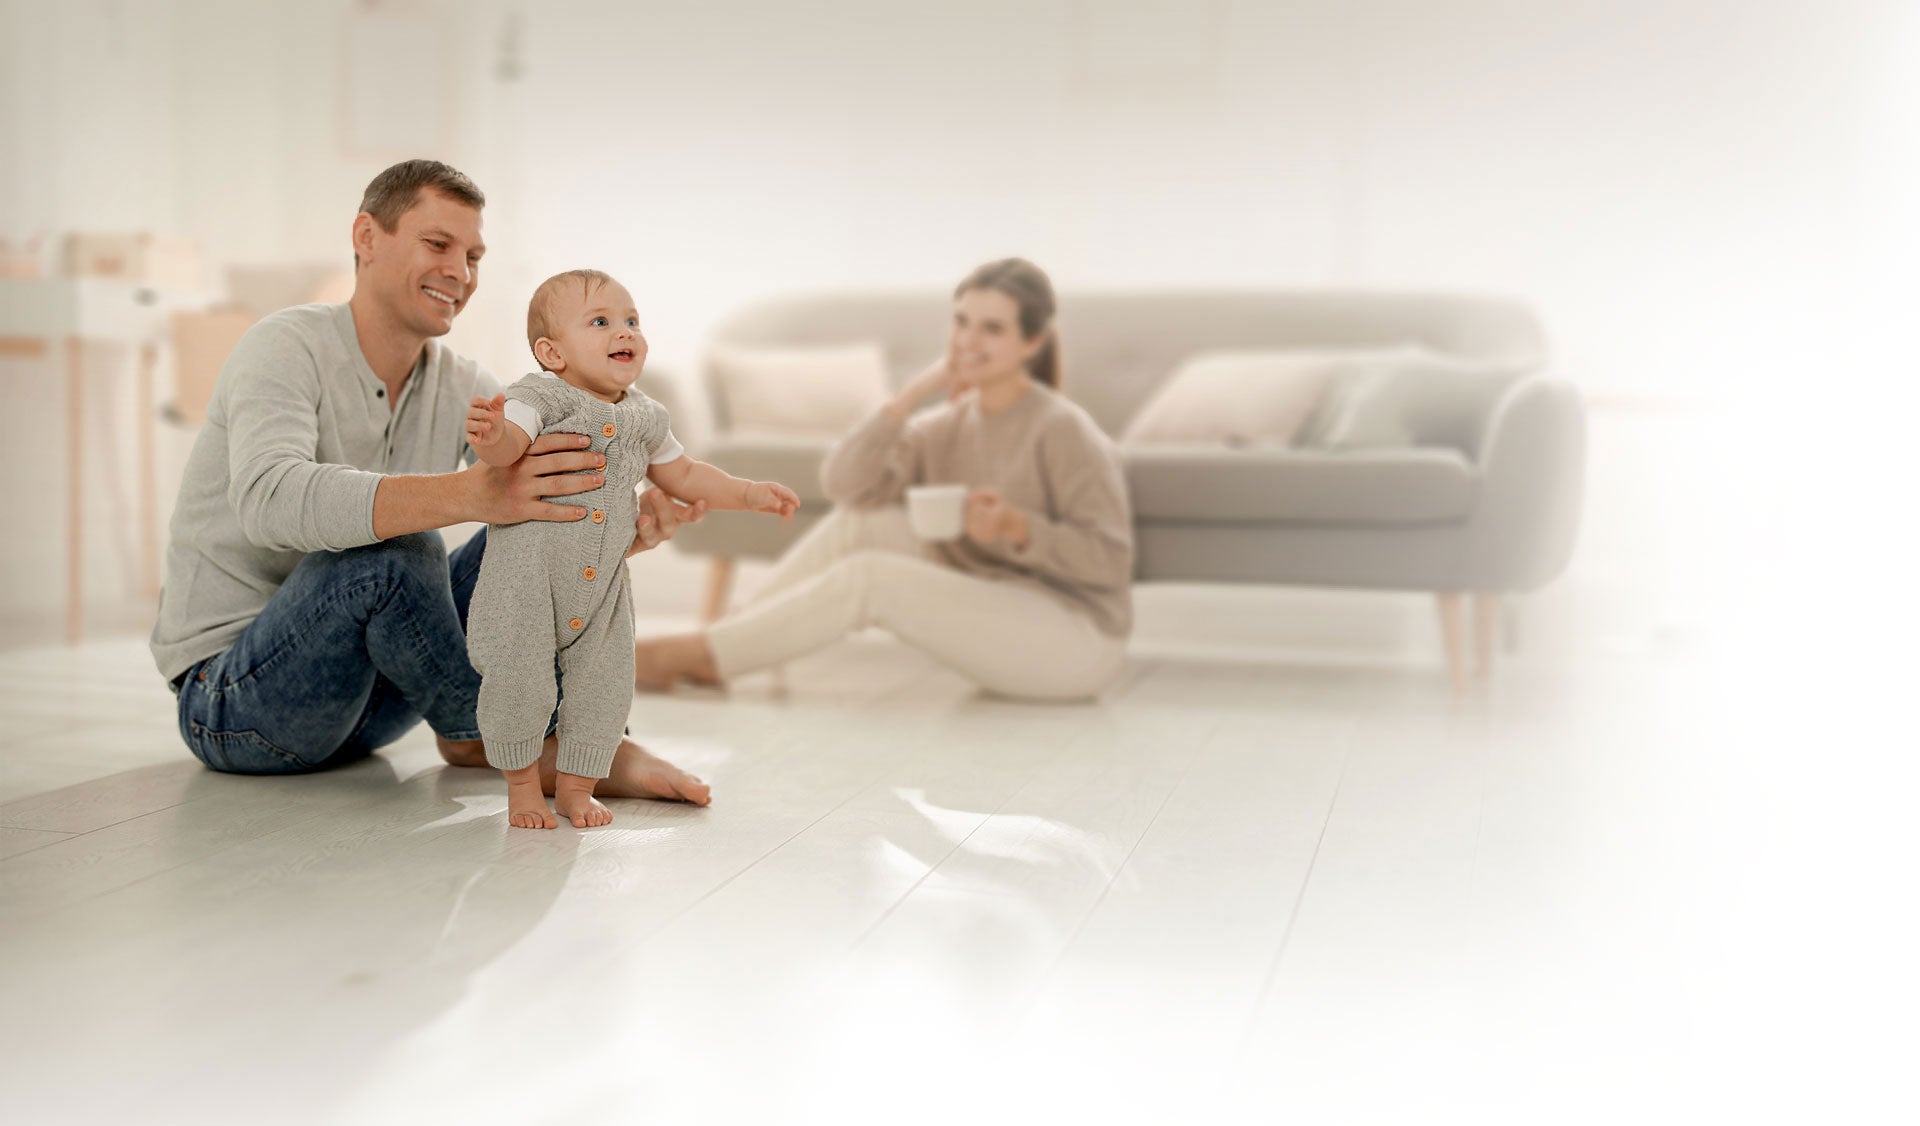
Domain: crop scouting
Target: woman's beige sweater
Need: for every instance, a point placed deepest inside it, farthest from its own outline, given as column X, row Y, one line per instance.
column 1046, row 457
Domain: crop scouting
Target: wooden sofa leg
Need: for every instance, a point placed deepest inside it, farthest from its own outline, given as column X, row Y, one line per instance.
column 719, row 589
column 1486, row 627
column 1453, row 633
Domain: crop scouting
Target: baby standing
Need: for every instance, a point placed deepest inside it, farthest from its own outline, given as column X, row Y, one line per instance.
column 556, row 592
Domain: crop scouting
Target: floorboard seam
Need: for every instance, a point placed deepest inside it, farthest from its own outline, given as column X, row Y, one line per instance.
column 1293, row 913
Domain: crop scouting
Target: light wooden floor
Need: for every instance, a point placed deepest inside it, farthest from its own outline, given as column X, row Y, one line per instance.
column 1239, row 888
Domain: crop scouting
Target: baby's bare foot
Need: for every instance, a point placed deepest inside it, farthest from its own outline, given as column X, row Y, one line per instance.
column 526, row 806
column 573, row 797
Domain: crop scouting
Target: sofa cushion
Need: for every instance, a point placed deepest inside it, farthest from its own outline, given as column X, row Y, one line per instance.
column 792, row 460
column 1205, row 484
column 1119, row 347
column 817, row 390
column 1236, row 398
column 1414, row 398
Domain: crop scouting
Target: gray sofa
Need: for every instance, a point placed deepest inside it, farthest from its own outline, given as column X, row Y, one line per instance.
column 1485, row 501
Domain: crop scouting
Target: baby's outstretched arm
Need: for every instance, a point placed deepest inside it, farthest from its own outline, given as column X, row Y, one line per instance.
column 493, row 438
column 687, row 480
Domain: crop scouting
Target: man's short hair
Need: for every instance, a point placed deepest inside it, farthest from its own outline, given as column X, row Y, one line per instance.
column 540, row 310
column 398, row 188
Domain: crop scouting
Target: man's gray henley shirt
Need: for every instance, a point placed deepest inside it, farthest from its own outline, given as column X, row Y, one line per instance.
column 298, row 434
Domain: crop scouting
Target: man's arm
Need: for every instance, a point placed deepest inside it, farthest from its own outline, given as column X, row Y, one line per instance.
column 555, row 465
column 269, row 402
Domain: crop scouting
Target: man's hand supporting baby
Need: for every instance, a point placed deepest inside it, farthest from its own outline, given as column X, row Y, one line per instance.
column 661, row 516
column 555, row 465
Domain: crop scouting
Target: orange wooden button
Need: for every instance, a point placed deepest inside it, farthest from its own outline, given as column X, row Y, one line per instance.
column 576, row 623
column 588, row 574
column 607, row 430
column 599, row 517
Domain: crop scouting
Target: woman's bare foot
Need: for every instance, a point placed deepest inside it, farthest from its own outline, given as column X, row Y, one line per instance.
column 526, row 806
column 573, row 797
column 652, row 671
column 659, row 661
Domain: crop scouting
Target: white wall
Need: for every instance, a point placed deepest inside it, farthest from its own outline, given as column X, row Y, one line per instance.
column 1702, row 199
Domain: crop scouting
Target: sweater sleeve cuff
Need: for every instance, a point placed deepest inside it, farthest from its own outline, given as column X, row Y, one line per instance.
column 521, row 414
column 358, row 527
column 668, row 450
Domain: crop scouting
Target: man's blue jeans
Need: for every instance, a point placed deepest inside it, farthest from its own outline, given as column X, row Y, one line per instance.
column 354, row 648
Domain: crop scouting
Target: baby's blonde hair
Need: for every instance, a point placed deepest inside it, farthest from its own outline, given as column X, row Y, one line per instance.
column 540, row 310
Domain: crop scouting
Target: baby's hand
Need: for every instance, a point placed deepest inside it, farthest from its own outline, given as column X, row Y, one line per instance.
column 770, row 496
column 486, row 421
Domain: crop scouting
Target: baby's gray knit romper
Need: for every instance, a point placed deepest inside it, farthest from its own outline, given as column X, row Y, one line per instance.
column 561, row 587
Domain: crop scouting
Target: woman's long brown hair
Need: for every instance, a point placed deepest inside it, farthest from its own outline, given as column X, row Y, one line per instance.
column 1027, row 284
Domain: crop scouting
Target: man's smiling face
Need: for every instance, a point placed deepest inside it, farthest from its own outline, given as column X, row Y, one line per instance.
column 425, row 270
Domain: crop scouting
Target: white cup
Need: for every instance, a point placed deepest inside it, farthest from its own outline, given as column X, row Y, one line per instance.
column 937, row 512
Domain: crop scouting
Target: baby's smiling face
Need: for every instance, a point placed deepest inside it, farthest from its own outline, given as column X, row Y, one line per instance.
column 595, row 344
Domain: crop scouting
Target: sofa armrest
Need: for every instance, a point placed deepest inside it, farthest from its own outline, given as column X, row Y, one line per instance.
column 1533, row 478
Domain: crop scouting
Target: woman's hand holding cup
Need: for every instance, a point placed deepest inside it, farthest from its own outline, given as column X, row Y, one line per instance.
column 991, row 519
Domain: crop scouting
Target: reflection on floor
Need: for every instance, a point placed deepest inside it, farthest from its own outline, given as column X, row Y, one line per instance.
column 1235, row 889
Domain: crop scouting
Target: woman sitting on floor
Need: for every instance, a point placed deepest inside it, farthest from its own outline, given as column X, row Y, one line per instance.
column 1033, row 601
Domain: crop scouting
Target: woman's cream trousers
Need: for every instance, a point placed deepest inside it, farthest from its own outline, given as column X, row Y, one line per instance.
column 859, row 569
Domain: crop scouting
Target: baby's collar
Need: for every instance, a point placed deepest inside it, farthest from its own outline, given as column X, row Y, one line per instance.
column 624, row 395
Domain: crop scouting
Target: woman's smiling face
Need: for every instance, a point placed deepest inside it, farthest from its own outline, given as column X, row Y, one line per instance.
column 985, row 343
column 596, row 344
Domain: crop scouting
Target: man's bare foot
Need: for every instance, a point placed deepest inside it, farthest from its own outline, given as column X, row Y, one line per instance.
column 573, row 798
column 638, row 774
column 461, row 752
column 659, row 661
column 526, row 805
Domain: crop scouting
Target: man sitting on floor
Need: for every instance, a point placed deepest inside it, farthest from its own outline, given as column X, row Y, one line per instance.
column 311, row 612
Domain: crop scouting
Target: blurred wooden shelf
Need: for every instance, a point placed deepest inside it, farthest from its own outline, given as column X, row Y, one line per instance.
column 34, row 312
